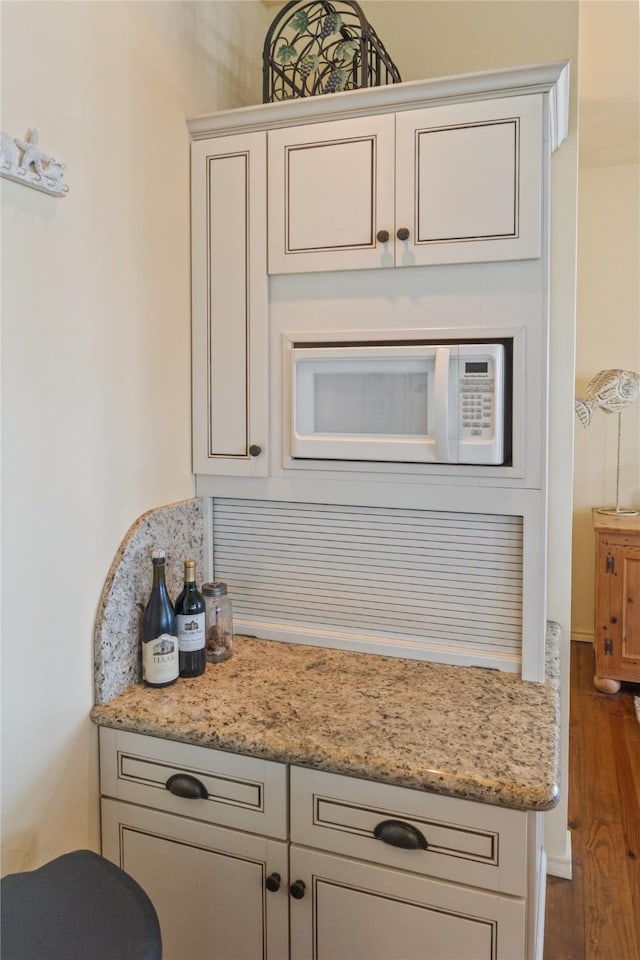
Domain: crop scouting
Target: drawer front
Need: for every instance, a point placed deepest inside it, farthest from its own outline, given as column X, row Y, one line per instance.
column 466, row 842
column 240, row 792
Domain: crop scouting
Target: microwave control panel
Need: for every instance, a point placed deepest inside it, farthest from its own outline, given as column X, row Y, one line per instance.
column 480, row 391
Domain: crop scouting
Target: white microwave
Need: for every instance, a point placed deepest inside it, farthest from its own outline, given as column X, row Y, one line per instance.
column 399, row 402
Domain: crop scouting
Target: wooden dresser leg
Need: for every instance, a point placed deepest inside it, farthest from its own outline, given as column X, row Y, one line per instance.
column 604, row 685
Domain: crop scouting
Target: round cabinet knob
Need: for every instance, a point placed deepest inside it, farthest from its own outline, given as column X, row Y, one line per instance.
column 297, row 889
column 382, row 236
column 255, row 450
column 402, row 234
column 272, row 882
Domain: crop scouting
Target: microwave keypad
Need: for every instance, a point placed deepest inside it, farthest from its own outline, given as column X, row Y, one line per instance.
column 476, row 397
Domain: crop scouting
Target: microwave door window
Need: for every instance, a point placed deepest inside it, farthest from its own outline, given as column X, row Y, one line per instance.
column 364, row 408
column 383, row 404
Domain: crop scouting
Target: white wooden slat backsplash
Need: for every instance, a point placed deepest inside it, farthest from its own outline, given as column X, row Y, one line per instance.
column 417, row 583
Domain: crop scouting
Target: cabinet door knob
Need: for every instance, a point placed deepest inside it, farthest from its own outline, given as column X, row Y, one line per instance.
column 402, row 234
column 297, row 889
column 184, row 785
column 382, row 236
column 255, row 450
column 272, row 882
column 400, row 834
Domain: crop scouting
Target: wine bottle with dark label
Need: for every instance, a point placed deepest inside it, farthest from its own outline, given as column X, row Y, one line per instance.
column 159, row 634
column 190, row 623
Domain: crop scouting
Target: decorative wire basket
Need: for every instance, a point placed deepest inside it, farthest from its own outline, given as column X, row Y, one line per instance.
column 321, row 47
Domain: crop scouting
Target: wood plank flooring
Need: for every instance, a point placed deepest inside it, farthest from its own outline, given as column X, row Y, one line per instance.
column 596, row 915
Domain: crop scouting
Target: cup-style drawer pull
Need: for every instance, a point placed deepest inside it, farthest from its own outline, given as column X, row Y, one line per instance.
column 184, row 785
column 400, row 834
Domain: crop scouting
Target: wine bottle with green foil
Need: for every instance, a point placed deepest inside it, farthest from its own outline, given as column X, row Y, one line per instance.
column 160, row 662
column 189, row 610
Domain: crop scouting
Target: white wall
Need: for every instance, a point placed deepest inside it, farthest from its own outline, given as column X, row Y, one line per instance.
column 608, row 336
column 428, row 38
column 95, row 354
column 608, row 332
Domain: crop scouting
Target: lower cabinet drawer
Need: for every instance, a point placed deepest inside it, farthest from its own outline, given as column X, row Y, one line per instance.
column 196, row 782
column 363, row 912
column 459, row 840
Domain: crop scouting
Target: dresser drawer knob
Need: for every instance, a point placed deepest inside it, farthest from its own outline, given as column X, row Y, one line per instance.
column 272, row 882
column 297, row 889
column 402, row 234
column 382, row 236
column 399, row 834
column 184, row 785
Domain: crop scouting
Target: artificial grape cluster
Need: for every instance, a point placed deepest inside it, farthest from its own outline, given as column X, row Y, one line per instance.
column 308, row 64
column 335, row 81
column 329, row 25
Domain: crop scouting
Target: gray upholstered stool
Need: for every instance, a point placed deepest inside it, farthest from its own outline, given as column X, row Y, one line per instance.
column 77, row 907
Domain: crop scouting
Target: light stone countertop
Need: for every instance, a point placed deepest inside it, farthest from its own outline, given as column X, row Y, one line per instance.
column 467, row 732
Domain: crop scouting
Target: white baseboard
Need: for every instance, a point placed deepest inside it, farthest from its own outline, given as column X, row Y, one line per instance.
column 559, row 865
column 582, row 636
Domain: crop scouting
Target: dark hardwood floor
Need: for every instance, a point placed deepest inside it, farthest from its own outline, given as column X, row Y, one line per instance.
column 596, row 915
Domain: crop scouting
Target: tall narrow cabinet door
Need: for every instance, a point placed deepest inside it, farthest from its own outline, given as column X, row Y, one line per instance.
column 230, row 305
column 207, row 884
column 330, row 193
column 469, row 182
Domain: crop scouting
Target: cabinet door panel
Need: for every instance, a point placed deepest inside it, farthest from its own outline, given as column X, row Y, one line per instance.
column 356, row 911
column 207, row 884
column 469, row 180
column 330, row 191
column 229, row 303
column 622, row 617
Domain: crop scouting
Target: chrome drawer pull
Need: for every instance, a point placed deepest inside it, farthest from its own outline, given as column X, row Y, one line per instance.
column 400, row 834
column 184, row 785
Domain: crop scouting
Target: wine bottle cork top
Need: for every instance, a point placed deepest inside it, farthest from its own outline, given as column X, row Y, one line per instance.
column 158, row 554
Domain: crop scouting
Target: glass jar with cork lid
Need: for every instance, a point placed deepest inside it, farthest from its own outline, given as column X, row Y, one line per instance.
column 218, row 621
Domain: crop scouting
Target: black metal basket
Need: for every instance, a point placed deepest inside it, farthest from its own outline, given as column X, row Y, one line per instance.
column 321, row 47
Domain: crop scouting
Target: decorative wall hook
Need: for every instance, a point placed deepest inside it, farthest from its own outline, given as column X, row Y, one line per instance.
column 24, row 162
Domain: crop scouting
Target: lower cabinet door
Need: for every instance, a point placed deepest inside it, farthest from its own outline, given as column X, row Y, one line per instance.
column 356, row 911
column 207, row 883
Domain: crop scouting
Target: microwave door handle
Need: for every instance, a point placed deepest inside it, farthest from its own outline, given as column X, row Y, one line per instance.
column 441, row 398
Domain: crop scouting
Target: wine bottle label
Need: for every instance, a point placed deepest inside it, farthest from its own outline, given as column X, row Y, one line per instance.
column 160, row 659
column 190, row 631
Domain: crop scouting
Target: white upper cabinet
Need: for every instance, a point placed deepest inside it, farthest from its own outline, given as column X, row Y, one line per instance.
column 330, row 191
column 469, row 182
column 445, row 184
column 229, row 305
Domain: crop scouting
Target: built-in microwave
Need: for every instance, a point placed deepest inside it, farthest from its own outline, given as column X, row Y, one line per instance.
column 400, row 402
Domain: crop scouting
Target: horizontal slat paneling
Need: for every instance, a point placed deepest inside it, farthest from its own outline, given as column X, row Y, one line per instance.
column 442, row 580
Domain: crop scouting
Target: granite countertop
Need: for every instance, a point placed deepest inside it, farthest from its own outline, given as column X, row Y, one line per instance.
column 467, row 732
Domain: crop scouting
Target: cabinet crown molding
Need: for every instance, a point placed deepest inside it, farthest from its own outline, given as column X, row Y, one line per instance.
column 551, row 78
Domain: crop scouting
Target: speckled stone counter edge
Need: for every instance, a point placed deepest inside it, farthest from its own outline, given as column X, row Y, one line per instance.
column 179, row 529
